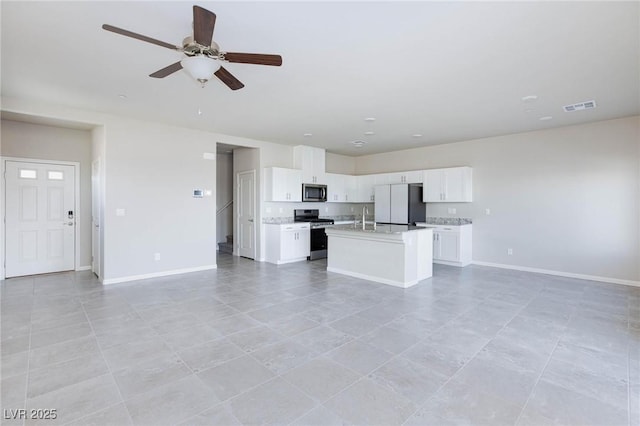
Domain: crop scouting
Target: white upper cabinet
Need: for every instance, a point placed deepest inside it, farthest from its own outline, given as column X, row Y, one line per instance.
column 282, row 184
column 341, row 188
column 451, row 185
column 365, row 188
column 414, row 176
column 312, row 163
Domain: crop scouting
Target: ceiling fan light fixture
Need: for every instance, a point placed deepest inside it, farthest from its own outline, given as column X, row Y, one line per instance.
column 200, row 67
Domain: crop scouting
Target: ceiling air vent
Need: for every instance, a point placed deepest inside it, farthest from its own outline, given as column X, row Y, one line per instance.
column 580, row 106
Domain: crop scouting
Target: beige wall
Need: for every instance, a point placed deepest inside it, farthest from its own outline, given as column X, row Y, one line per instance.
column 564, row 199
column 26, row 140
column 342, row 164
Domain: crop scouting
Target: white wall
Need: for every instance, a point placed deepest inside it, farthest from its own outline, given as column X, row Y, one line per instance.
column 151, row 171
column 224, row 194
column 45, row 142
column 564, row 199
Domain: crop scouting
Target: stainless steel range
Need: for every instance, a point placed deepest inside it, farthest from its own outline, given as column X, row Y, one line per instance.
column 318, row 237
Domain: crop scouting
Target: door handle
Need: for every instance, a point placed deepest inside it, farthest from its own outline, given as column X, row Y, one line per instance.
column 68, row 223
column 250, row 220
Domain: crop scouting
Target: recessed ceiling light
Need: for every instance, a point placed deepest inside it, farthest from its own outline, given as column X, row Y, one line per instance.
column 546, row 118
column 199, row 111
column 530, row 98
column 370, row 119
column 308, row 135
column 369, row 133
column 417, row 135
column 528, row 110
column 122, row 96
column 358, row 143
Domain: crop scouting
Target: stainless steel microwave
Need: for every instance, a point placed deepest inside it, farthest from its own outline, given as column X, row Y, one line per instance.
column 314, row 192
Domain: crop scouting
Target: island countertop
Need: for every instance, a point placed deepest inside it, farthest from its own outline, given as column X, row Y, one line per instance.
column 398, row 255
column 376, row 229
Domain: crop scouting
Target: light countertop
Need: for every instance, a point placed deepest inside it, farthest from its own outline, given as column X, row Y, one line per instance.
column 377, row 229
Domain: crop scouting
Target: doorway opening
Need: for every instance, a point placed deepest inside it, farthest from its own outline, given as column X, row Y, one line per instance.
column 224, row 198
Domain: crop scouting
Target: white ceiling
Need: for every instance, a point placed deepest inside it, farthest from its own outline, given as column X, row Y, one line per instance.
column 450, row 71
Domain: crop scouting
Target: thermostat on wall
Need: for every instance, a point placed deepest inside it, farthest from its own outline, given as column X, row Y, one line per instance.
column 198, row 193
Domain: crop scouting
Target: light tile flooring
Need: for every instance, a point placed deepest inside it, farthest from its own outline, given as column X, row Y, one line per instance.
column 252, row 343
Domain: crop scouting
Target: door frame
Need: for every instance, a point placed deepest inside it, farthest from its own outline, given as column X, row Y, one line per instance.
column 3, row 239
column 238, row 203
column 96, row 198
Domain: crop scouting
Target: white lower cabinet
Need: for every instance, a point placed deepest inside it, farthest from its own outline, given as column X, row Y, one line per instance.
column 452, row 244
column 286, row 243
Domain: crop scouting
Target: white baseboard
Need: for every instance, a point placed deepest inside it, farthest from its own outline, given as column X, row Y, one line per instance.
column 372, row 278
column 84, row 268
column 559, row 273
column 158, row 274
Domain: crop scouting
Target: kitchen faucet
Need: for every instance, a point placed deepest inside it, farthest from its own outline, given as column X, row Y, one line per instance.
column 364, row 210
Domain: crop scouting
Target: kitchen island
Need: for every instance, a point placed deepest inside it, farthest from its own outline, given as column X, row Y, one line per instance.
column 398, row 255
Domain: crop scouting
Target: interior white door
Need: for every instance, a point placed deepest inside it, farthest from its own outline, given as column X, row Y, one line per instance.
column 95, row 218
column 40, row 218
column 246, row 214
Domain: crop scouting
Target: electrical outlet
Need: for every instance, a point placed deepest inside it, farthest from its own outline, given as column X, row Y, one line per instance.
column 352, row 210
column 280, row 210
column 452, row 210
column 268, row 209
column 510, row 251
column 156, row 257
column 326, row 209
column 487, row 212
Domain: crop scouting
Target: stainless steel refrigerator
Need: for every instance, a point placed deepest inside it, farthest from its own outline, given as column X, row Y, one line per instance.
column 399, row 204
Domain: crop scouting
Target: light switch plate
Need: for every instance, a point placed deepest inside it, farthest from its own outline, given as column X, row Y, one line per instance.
column 120, row 212
column 487, row 212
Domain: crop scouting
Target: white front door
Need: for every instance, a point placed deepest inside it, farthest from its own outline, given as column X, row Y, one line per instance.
column 95, row 217
column 40, row 218
column 246, row 214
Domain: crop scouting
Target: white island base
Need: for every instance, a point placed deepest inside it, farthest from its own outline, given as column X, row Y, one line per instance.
column 397, row 255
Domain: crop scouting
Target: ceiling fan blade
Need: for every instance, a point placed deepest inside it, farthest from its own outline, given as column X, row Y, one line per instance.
column 167, row 70
column 139, row 36
column 203, row 24
column 253, row 58
column 227, row 78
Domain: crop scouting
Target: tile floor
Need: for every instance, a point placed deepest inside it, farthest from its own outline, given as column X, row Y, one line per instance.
column 252, row 343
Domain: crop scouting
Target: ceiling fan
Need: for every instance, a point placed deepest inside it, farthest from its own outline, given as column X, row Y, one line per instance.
column 203, row 56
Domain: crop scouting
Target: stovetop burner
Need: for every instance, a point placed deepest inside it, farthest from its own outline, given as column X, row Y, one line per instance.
column 311, row 216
